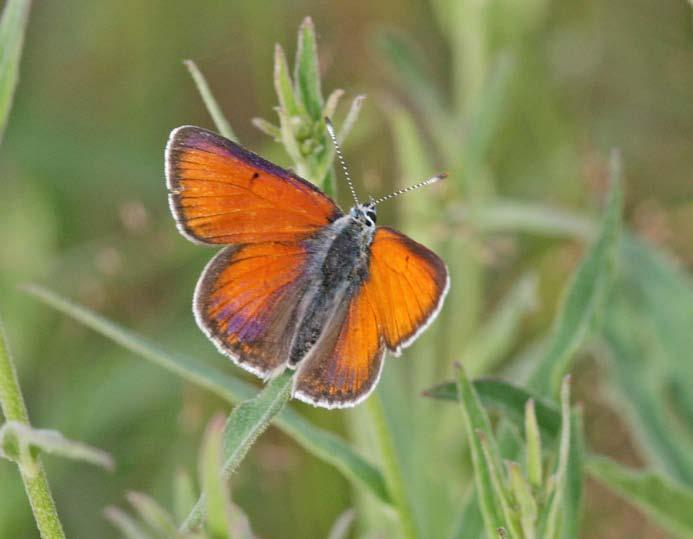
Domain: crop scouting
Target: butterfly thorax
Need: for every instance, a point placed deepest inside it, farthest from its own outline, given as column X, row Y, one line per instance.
column 338, row 266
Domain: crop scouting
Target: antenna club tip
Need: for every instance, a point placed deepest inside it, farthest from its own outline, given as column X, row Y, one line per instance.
column 443, row 175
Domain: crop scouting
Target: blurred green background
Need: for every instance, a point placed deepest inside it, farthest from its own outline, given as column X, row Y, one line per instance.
column 84, row 210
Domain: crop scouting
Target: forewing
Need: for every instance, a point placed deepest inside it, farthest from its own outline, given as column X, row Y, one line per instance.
column 345, row 364
column 246, row 302
column 222, row 193
column 408, row 283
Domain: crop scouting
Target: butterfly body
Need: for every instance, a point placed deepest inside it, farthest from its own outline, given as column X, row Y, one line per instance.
column 298, row 284
column 338, row 266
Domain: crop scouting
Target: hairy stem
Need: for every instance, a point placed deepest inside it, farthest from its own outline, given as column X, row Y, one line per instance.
column 35, row 482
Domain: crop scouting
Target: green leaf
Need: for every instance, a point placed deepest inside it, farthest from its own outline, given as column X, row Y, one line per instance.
column 13, row 24
column 665, row 501
column 214, row 486
column 557, row 504
column 533, row 445
column 508, row 399
column 476, row 420
column 513, row 216
column 153, row 514
column 125, row 524
column 25, row 438
column 584, row 296
column 319, row 442
column 184, row 496
column 392, row 467
column 642, row 388
column 572, row 510
column 268, row 128
column 526, row 503
column 220, row 121
column 247, row 421
column 487, row 118
column 340, row 529
column 284, row 86
column 307, row 72
column 500, row 492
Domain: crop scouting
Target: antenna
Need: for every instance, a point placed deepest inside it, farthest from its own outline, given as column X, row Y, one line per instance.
column 333, row 136
column 424, row 183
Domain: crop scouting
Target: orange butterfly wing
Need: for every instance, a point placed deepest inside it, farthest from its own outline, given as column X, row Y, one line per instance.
column 405, row 290
column 246, row 299
column 408, row 283
column 222, row 193
column 345, row 364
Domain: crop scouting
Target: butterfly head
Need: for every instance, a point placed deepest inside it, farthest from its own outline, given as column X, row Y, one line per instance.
column 365, row 214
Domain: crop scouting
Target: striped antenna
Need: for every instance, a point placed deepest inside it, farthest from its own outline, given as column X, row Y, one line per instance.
column 424, row 183
column 333, row 136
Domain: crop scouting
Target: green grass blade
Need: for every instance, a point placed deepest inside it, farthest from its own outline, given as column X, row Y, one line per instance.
column 513, row 216
column 640, row 390
column 12, row 28
column 476, row 420
column 184, row 495
column 508, row 399
column 584, row 295
column 665, row 501
column 222, row 124
column 319, row 442
column 153, row 514
column 392, row 467
column 572, row 510
column 557, row 504
column 214, row 486
column 125, row 524
column 307, row 71
column 484, row 123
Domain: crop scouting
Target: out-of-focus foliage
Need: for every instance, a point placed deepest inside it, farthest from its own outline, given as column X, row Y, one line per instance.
column 520, row 102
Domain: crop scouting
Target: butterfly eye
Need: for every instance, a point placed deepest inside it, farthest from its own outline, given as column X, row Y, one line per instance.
column 371, row 215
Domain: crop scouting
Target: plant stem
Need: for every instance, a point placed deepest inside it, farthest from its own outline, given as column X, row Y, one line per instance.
column 391, row 467
column 36, row 483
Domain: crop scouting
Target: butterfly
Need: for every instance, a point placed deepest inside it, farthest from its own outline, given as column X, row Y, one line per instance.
column 298, row 284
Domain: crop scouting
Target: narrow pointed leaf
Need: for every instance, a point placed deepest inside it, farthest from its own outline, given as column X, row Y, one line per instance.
column 214, row 486
column 307, row 72
column 220, row 122
column 15, row 15
column 572, row 513
column 52, row 441
column 475, row 419
column 533, row 445
column 125, row 524
column 183, row 495
column 584, row 295
column 284, row 86
column 557, row 504
column 508, row 399
column 153, row 514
